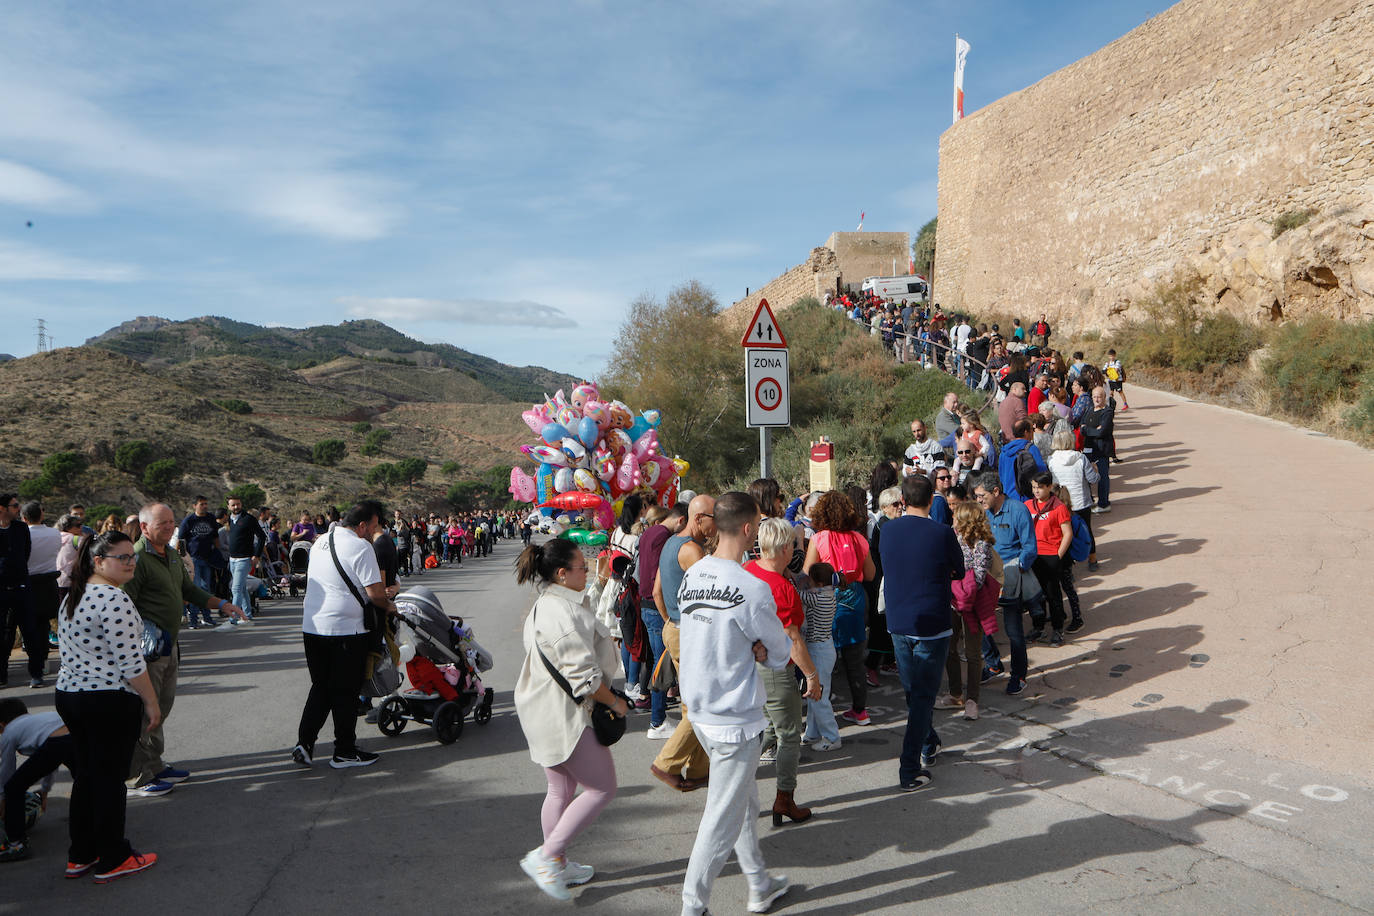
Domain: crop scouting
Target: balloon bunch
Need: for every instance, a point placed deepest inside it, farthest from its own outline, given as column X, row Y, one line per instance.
column 592, row 453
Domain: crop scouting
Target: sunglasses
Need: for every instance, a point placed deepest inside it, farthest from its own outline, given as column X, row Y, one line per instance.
column 965, row 451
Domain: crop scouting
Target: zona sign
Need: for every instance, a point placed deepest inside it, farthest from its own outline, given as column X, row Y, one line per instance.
column 766, row 377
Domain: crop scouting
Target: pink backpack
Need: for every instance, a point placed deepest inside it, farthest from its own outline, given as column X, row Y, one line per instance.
column 845, row 556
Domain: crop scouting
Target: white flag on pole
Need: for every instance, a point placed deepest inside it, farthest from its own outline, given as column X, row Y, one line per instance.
column 961, row 49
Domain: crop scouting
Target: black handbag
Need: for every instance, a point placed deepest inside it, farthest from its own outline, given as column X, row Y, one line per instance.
column 374, row 618
column 608, row 727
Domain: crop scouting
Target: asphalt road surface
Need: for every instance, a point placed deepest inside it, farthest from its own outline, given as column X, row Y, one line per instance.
column 1202, row 746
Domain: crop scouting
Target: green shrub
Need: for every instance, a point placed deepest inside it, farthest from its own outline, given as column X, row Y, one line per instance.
column 133, row 456
column 35, row 487
column 63, row 467
column 465, row 495
column 235, row 405
column 328, row 452
column 252, row 495
column 99, row 513
column 1177, row 334
column 1291, row 220
column 450, row 469
column 380, row 475
column 1318, row 362
column 159, row 475
column 361, row 427
column 372, row 445
column 409, row 470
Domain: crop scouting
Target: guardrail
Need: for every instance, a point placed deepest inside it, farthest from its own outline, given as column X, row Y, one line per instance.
column 948, row 359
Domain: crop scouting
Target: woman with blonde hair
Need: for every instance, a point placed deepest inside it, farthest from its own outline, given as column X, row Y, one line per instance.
column 568, row 666
column 971, row 430
column 975, row 601
column 782, row 734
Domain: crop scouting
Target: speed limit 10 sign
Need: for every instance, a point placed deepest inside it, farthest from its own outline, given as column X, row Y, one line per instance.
column 767, row 399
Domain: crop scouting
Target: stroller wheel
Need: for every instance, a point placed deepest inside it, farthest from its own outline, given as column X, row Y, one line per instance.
column 391, row 716
column 482, row 714
column 448, row 722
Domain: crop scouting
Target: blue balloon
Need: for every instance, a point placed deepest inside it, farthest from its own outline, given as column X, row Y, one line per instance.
column 588, row 432
column 553, row 433
column 638, row 428
column 543, row 482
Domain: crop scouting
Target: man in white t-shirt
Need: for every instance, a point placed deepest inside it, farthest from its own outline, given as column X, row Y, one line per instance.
column 729, row 620
column 923, row 451
column 45, row 543
column 336, row 638
column 962, row 333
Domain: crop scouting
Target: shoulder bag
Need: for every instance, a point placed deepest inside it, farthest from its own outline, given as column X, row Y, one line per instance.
column 608, row 727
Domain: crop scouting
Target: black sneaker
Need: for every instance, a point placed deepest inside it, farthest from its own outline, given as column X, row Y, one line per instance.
column 1092, row 566
column 1056, row 639
column 1015, row 686
column 303, row 754
column 359, row 758
column 1074, row 625
column 1035, row 635
column 990, row 673
column 919, row 782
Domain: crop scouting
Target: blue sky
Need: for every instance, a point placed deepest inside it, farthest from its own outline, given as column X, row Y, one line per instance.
column 502, row 177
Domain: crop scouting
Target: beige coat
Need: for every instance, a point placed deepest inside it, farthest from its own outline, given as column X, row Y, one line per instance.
column 581, row 649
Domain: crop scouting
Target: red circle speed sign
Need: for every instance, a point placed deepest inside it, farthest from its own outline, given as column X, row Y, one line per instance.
column 768, row 394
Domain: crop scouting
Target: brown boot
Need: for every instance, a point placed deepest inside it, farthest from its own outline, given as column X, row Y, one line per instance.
column 784, row 806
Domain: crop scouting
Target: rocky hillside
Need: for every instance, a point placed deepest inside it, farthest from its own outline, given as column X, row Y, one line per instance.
column 158, row 342
column 231, row 412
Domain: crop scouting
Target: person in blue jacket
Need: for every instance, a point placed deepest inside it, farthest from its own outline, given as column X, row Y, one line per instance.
column 1006, row 461
column 1014, row 541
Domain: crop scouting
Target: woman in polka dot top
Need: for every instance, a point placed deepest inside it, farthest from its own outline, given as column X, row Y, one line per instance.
column 104, row 697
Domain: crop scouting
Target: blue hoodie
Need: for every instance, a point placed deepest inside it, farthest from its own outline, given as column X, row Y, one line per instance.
column 1006, row 467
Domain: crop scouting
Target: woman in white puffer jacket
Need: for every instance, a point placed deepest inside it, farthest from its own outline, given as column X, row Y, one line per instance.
column 1074, row 472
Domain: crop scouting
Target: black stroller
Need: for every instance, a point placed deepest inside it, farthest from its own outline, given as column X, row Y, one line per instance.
column 299, row 561
column 433, row 698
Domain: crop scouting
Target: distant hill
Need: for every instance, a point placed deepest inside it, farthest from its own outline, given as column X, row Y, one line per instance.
column 91, row 401
column 158, row 342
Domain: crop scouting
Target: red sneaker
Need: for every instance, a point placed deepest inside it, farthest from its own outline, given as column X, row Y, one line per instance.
column 858, row 718
column 76, row 870
column 130, row 866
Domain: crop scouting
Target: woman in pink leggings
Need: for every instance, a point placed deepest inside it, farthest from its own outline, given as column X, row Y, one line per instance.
column 562, row 635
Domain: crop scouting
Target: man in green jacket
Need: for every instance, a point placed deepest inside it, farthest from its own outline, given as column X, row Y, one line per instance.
column 159, row 589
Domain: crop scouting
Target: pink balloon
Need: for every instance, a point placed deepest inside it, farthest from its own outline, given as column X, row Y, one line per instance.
column 582, row 394
column 535, row 420
column 646, row 445
column 604, row 516
column 628, row 476
column 603, row 463
column 522, row 486
column 596, row 410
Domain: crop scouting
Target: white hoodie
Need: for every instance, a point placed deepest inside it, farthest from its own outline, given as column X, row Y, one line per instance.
column 1071, row 469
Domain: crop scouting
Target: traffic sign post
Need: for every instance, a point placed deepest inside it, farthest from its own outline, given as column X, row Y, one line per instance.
column 767, row 380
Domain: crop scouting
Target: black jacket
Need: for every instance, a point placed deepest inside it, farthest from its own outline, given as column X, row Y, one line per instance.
column 245, row 537
column 15, row 547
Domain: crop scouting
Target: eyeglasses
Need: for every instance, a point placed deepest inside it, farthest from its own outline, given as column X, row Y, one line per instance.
column 119, row 557
column 707, row 515
column 982, row 497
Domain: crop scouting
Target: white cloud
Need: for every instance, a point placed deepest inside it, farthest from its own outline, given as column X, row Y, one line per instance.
column 29, row 187
column 469, row 311
column 25, row 262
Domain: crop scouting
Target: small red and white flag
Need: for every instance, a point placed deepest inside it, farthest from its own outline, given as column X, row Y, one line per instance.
column 961, row 49
column 861, row 221
column 911, row 264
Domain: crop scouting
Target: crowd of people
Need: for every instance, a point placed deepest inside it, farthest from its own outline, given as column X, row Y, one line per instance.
column 762, row 614
column 113, row 602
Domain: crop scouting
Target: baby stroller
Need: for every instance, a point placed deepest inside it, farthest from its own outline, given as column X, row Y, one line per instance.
column 443, row 672
column 299, row 560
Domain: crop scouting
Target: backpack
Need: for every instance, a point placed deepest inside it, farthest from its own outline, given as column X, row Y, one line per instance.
column 844, row 555
column 1023, row 470
column 1082, row 539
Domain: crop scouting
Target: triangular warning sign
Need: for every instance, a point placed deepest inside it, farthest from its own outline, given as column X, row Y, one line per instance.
column 763, row 331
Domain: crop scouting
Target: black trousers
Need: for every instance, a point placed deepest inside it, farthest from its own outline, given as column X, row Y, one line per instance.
column 1047, row 570
column 55, row 752
column 18, row 611
column 104, row 726
column 336, row 666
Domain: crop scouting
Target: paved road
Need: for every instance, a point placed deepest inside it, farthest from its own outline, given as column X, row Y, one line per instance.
column 1202, row 746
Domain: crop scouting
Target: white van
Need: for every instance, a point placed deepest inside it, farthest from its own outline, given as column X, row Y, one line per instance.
column 897, row 289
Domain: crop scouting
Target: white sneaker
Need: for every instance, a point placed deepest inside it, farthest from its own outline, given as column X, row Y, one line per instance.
column 659, row 732
column 769, row 755
column 823, row 745
column 970, row 710
column 777, row 886
column 632, row 693
column 574, row 874
column 545, row 873
column 948, row 702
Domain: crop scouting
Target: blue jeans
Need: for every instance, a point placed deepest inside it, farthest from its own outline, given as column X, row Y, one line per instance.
column 1104, row 484
column 238, row 583
column 203, row 576
column 658, row 700
column 631, row 666
column 920, row 664
column 1013, row 624
column 820, row 715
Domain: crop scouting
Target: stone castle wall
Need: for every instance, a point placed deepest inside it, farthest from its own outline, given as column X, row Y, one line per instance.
column 845, row 258
column 1171, row 151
